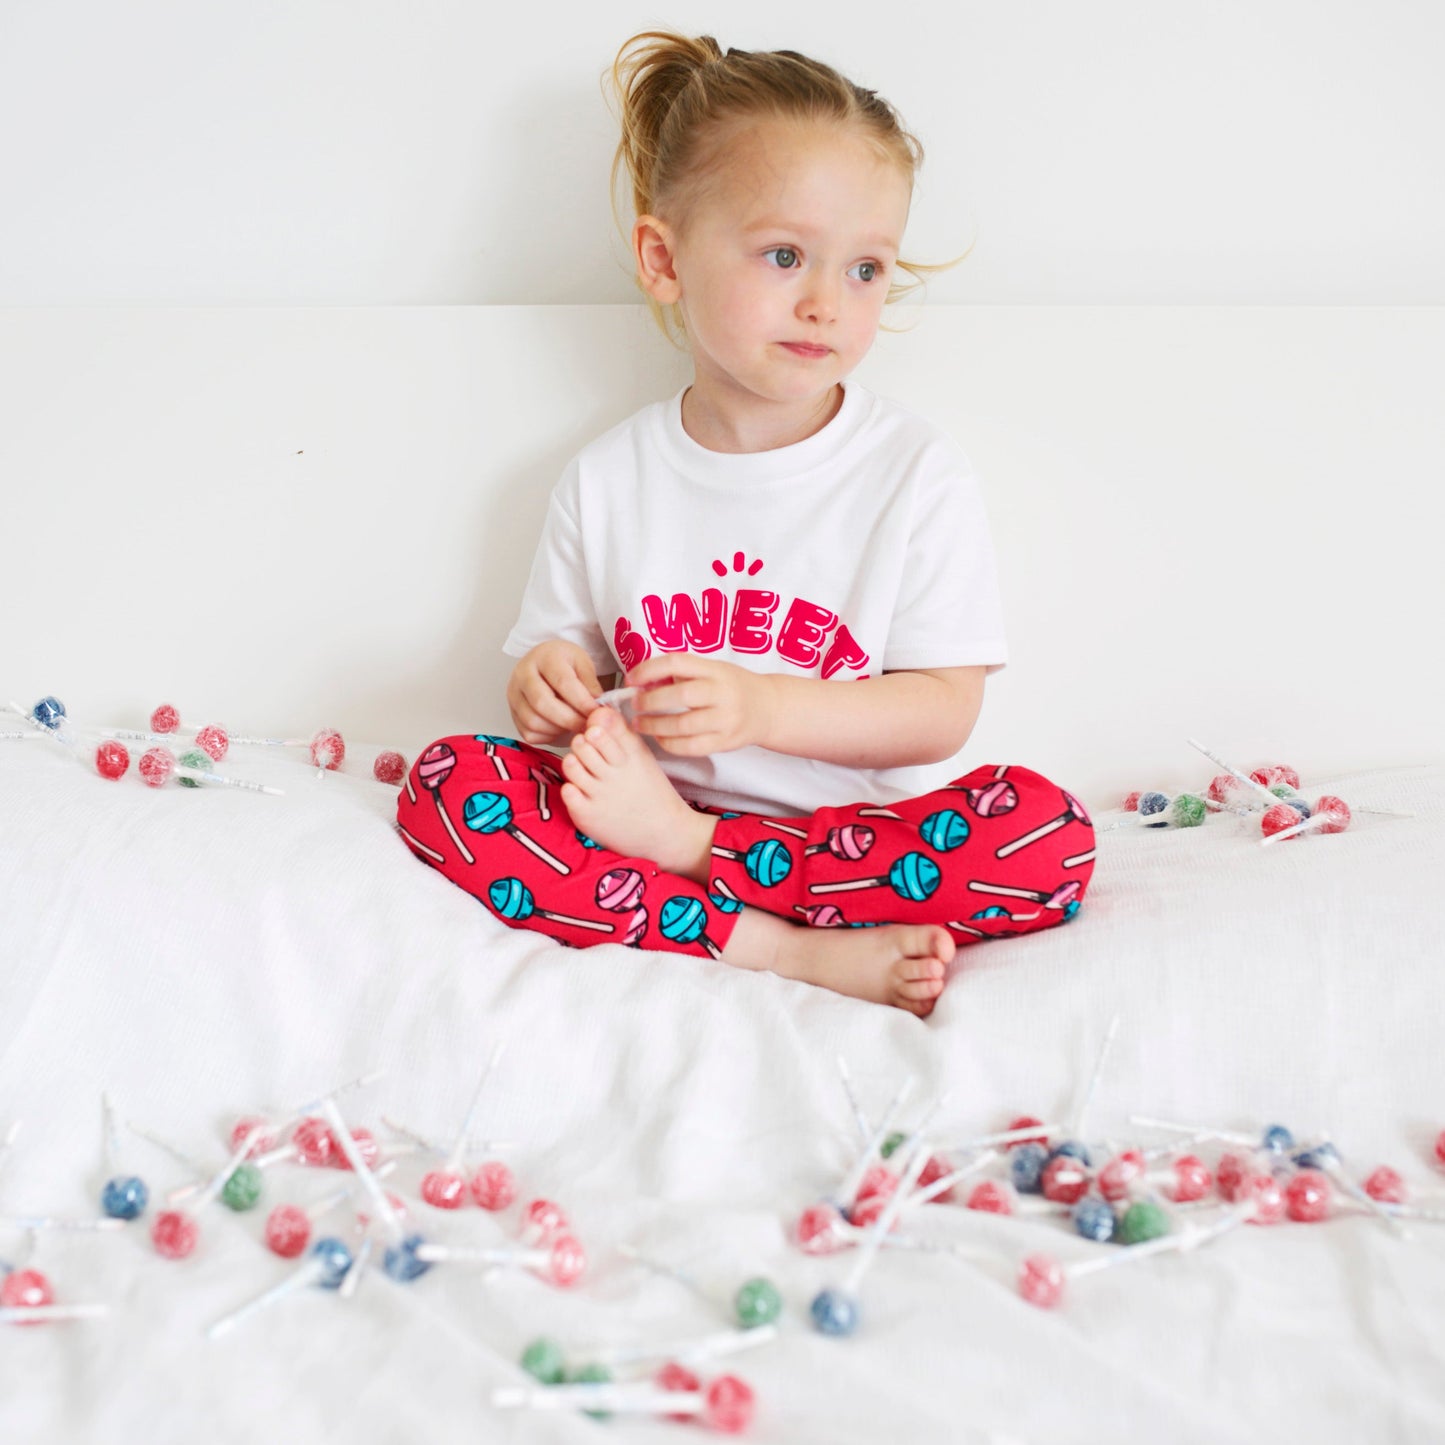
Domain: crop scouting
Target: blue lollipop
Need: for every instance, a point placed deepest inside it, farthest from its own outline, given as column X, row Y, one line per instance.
column 492, row 813
column 767, row 862
column 400, row 1260
column 513, row 899
column 914, row 876
column 1094, row 1218
column 124, row 1195
column 834, row 1313
column 683, row 919
column 945, row 830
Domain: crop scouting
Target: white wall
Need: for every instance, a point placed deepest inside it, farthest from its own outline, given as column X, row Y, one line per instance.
column 363, row 152
column 1223, row 522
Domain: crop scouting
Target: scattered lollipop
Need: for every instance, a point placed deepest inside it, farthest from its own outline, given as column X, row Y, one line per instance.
column 158, row 766
column 726, row 1404
column 388, row 767
column 1330, row 815
column 562, row 1261
column 328, row 750
column 330, row 1260
column 124, row 1195
column 446, row 1188
column 756, row 1302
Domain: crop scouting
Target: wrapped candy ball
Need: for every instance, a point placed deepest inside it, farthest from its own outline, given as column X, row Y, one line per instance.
column 1064, row 1180
column 155, row 767
column 288, row 1227
column 389, row 767
column 1041, row 1281
column 1026, row 1166
column 198, row 762
column 757, row 1303
column 543, row 1360
column 165, row 719
column 991, row 1197
column 1094, row 1219
column 1277, row 819
column 242, row 1188
column 111, row 759
column 1307, row 1197
column 1386, row 1186
column 25, row 1289
column 493, row 1186
column 328, row 750
column 1143, row 1220
column 214, row 742
column 174, row 1234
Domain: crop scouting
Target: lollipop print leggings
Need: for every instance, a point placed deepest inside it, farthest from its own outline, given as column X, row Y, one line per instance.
column 999, row 852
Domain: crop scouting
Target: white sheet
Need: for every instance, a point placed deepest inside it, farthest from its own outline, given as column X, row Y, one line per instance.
column 204, row 954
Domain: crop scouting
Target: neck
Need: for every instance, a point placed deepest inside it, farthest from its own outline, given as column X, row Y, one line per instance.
column 723, row 424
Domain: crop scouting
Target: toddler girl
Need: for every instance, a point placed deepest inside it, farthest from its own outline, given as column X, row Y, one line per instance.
column 795, row 575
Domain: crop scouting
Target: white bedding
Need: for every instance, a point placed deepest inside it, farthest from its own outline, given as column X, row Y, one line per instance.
column 205, row 954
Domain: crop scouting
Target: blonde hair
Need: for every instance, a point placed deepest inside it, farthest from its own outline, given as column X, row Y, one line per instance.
column 674, row 97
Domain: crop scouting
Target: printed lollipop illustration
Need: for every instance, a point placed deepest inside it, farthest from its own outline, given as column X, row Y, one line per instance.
column 1061, row 897
column 767, row 862
column 636, row 927
column 822, row 915
column 683, row 920
column 993, row 799
column 513, row 899
column 492, row 813
column 945, row 830
column 914, row 876
column 1075, row 814
column 492, row 744
column 620, row 890
column 433, row 768
column 851, row 842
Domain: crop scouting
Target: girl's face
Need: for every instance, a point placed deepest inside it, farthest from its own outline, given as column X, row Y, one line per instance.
column 783, row 264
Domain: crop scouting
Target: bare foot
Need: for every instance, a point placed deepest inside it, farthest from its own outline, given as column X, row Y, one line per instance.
column 902, row 964
column 618, row 794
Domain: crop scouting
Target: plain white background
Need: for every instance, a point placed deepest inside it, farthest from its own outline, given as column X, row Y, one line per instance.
column 372, row 152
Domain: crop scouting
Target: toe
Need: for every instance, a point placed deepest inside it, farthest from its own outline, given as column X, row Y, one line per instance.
column 575, row 766
column 921, row 989
column 605, row 737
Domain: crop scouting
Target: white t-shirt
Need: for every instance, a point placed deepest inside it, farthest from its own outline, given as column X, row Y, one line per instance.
column 861, row 550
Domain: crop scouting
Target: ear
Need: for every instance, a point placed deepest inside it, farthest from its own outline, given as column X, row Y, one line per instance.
column 653, row 243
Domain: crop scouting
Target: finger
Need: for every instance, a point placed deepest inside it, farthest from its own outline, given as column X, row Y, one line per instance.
column 571, row 686
column 552, row 711
column 664, row 668
column 669, row 697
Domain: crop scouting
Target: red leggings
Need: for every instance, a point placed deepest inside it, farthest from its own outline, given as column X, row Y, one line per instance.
column 999, row 852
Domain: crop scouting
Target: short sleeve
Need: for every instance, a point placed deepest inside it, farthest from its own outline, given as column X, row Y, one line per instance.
column 949, row 612
column 557, row 602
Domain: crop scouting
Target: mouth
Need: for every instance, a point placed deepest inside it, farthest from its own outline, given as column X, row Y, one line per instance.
column 802, row 348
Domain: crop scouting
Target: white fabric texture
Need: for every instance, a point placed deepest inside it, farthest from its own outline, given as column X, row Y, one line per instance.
column 862, row 549
column 203, row 954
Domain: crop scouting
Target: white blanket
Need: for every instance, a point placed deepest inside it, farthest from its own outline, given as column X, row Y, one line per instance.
column 203, row 954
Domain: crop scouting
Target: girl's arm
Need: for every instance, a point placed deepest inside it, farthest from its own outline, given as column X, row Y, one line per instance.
column 898, row 720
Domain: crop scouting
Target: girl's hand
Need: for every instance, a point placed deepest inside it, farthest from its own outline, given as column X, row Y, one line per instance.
column 550, row 692
column 726, row 706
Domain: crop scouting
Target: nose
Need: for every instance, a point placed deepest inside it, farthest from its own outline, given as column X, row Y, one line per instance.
column 819, row 301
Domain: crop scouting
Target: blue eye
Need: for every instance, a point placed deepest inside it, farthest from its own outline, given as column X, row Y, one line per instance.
column 787, row 258
column 870, row 267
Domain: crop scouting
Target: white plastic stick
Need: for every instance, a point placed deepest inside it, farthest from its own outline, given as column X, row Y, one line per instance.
column 454, row 1159
column 1076, row 1127
column 389, row 1221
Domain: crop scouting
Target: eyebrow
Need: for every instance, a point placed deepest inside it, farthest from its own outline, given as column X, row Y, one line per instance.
column 877, row 242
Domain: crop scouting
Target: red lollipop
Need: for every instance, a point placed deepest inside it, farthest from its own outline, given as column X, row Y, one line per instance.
column 673, row 1376
column 155, row 767
column 328, row 749
column 1041, row 1281
column 111, row 760
column 389, row 767
column 174, row 1234
column 1386, row 1186
column 165, row 719
column 1331, row 815
column 1440, row 1147
column 213, row 741
column 26, row 1289
column 992, row 1197
column 1307, row 1196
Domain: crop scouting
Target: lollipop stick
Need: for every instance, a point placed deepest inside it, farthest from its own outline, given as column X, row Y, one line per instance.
column 454, row 1159
column 382, row 1204
column 1233, row 773
column 1076, row 1128
column 858, row 1115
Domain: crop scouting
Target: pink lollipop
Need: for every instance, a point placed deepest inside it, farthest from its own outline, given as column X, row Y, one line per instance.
column 620, row 890
column 433, row 769
column 1386, row 1186
column 562, row 1260
column 165, row 719
column 995, row 798
column 851, row 842
column 26, row 1289
column 822, row 915
column 636, row 928
column 542, row 1220
column 174, row 1234
column 156, row 766
column 493, row 1186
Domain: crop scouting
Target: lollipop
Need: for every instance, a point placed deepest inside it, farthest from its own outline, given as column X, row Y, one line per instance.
column 835, row 1311
column 755, row 1303
column 328, row 749
column 388, row 767
column 446, row 1188
column 726, row 1404
column 850, row 842
column 1330, row 815
column 330, row 1260
column 24, row 1289
column 1042, row 1279
column 158, row 766
column 490, row 746
column 683, row 919
column 1244, row 779
column 513, row 899
column 768, row 862
column 680, row 1353
column 433, row 768
column 492, row 813
column 1073, row 813
column 288, row 1226
column 913, row 876
column 992, row 800
column 111, row 760
column 124, row 1195
column 945, row 830
column 562, row 1261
